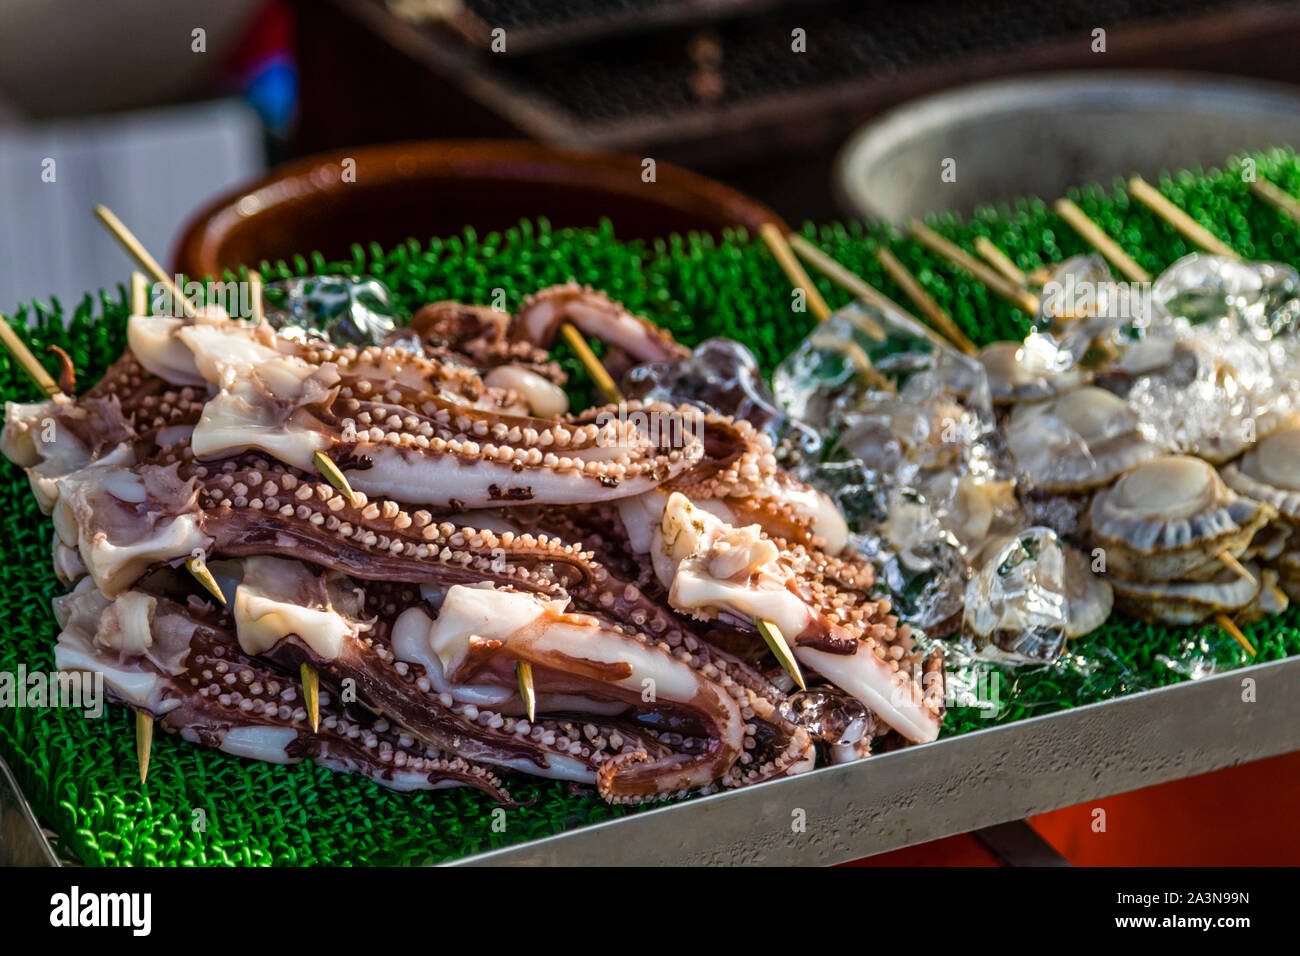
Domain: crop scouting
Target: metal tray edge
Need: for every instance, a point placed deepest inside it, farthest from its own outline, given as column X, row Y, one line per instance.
column 955, row 785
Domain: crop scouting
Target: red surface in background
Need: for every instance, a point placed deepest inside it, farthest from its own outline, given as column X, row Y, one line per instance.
column 1242, row 816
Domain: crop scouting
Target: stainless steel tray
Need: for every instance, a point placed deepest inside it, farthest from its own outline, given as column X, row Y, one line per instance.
column 22, row 842
column 952, row 786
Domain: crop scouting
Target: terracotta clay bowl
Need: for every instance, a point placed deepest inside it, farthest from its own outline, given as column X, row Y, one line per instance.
column 420, row 190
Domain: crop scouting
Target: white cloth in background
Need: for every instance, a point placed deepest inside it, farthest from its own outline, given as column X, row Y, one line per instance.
column 153, row 168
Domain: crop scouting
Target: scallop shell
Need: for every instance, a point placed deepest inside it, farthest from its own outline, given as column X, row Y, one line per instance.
column 1270, row 472
column 1090, row 595
column 1288, row 573
column 1186, row 602
column 1170, row 518
column 1270, row 543
column 1077, row 441
column 1013, row 380
column 1271, row 599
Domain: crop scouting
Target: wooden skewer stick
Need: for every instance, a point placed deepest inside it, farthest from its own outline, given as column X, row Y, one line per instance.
column 597, row 371
column 1230, row 561
column 940, row 319
column 311, row 694
column 310, row 679
column 27, row 361
column 780, row 648
column 595, row 368
column 1227, row 624
column 143, row 721
column 1001, row 261
column 136, row 250
column 1093, row 235
column 1192, row 230
column 847, row 280
column 1274, row 196
column 524, row 672
column 143, row 742
column 789, row 263
column 1020, row 298
column 331, row 473
column 785, row 256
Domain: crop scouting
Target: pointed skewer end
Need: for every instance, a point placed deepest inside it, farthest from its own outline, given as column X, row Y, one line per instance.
column 311, row 694
column 777, row 643
column 524, row 672
column 143, row 742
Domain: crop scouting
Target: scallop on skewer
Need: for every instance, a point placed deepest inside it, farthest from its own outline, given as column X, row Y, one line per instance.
column 1270, row 473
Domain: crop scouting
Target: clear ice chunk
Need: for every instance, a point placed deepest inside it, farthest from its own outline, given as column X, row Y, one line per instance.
column 1017, row 609
column 723, row 376
column 1258, row 298
column 1210, row 398
column 1079, row 287
column 848, row 359
column 1089, row 318
column 829, row 714
column 917, row 561
column 348, row 310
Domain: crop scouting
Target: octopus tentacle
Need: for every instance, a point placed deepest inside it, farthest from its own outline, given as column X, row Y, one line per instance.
column 183, row 669
column 393, row 440
column 479, row 336
column 630, row 338
column 291, row 613
column 485, row 527
column 150, row 515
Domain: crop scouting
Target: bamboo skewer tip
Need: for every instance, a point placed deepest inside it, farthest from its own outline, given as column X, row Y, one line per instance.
column 143, row 742
column 1230, row 561
column 198, row 569
column 527, row 690
column 311, row 694
column 778, row 645
column 334, row 475
column 1235, row 633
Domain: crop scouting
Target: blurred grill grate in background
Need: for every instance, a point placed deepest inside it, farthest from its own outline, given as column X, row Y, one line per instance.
column 716, row 86
column 650, row 74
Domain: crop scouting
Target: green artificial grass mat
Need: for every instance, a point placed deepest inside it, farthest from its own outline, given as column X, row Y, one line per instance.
column 80, row 774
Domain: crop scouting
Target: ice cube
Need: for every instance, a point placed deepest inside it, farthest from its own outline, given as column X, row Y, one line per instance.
column 862, row 352
column 1259, row 298
column 1210, row 398
column 829, row 714
column 723, row 376
column 1017, row 608
column 348, row 309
